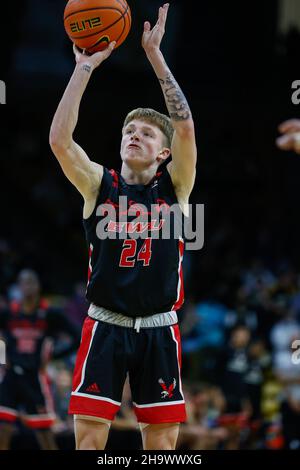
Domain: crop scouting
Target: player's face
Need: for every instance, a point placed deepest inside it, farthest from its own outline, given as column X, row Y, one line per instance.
column 28, row 284
column 142, row 144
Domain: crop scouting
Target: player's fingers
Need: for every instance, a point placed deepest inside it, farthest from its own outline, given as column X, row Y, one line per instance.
column 289, row 142
column 160, row 19
column 112, row 45
column 109, row 49
column 98, row 57
column 159, row 15
column 75, row 50
column 291, row 125
column 284, row 142
column 147, row 26
column 162, row 14
column 165, row 10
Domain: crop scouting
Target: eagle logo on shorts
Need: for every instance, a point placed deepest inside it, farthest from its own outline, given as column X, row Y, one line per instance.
column 167, row 391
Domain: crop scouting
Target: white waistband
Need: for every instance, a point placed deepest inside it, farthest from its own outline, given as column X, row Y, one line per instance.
column 152, row 321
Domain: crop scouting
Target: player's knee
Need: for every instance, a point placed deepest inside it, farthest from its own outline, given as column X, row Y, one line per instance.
column 46, row 439
column 91, row 435
column 160, row 437
column 87, row 442
column 159, row 445
column 91, row 441
column 156, row 443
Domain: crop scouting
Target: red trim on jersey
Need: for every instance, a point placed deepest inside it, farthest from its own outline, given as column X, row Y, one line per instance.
column 180, row 289
column 87, row 331
column 161, row 414
column 115, row 177
column 80, row 405
column 8, row 415
column 36, row 422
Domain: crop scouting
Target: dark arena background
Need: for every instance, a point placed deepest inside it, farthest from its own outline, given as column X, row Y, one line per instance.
column 236, row 63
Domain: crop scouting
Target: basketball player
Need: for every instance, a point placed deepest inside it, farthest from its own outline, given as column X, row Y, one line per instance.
column 290, row 140
column 27, row 327
column 134, row 286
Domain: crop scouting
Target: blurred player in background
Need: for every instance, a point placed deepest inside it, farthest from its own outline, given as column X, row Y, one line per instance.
column 135, row 286
column 27, row 327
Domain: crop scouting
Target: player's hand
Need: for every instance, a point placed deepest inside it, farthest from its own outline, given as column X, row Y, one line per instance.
column 290, row 140
column 95, row 59
column 152, row 37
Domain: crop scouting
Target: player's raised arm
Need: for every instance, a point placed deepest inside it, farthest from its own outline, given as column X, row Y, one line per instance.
column 79, row 169
column 184, row 153
column 290, row 138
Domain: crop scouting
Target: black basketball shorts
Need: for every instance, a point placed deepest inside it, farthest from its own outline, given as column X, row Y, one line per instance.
column 151, row 358
column 26, row 395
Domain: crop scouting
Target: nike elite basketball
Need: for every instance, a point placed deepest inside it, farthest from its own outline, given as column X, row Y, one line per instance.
column 93, row 24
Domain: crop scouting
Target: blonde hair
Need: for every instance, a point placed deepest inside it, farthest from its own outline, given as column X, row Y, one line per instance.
column 160, row 120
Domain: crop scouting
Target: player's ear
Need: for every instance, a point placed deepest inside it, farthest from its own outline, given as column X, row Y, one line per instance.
column 164, row 154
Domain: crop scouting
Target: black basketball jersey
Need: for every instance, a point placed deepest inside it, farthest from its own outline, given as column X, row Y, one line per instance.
column 137, row 276
column 26, row 335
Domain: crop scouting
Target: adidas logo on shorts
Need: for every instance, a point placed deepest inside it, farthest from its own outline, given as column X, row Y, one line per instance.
column 93, row 388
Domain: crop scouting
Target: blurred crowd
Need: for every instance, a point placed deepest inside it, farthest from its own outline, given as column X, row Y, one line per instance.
column 240, row 362
column 241, row 370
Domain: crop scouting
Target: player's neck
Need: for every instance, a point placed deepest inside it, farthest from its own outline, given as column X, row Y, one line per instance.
column 132, row 176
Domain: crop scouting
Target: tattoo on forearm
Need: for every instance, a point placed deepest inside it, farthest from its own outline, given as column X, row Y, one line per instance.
column 175, row 100
column 86, row 67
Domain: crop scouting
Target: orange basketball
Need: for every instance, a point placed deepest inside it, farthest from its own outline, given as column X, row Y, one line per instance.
column 93, row 24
